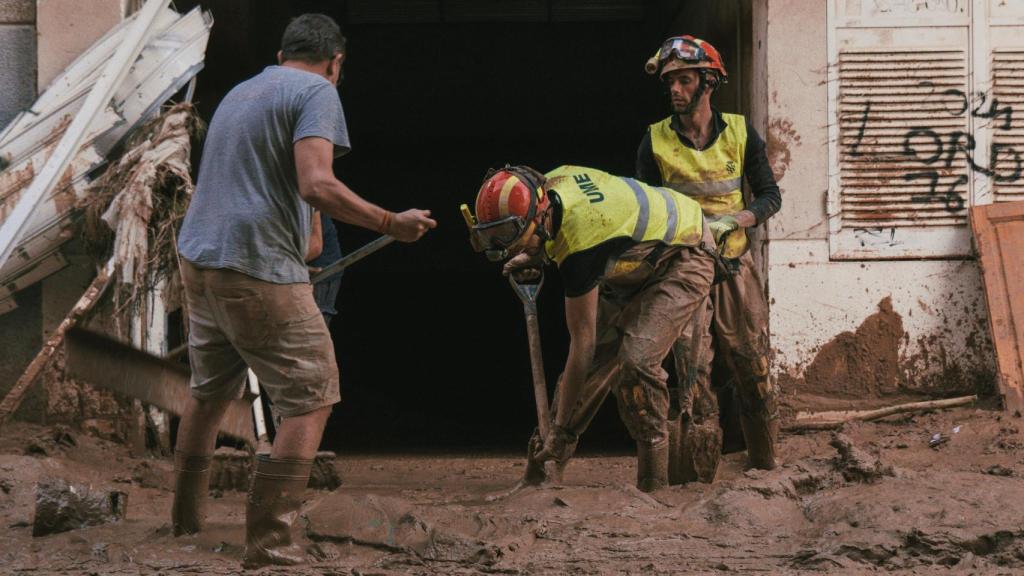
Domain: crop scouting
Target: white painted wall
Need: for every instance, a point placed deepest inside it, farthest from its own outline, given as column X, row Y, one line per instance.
column 813, row 299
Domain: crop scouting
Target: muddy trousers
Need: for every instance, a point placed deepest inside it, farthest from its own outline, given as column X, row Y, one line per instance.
column 738, row 334
column 639, row 319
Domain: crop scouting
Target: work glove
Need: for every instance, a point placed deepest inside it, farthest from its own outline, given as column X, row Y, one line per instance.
column 722, row 226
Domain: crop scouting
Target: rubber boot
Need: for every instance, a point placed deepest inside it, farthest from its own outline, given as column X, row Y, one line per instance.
column 652, row 465
column 191, row 485
column 703, row 443
column 761, row 432
column 680, row 461
column 275, row 497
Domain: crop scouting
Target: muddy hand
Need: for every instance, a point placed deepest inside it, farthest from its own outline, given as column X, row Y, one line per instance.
column 557, row 444
column 522, row 267
column 411, row 225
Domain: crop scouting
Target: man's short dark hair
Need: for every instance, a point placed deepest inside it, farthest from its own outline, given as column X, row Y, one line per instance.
column 312, row 38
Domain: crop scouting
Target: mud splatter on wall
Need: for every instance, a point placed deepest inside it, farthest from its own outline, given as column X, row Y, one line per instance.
column 864, row 362
column 782, row 137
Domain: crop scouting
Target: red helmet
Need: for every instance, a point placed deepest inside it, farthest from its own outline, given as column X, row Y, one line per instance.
column 507, row 204
column 686, row 52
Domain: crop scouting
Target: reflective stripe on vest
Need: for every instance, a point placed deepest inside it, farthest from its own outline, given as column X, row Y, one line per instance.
column 597, row 207
column 713, row 176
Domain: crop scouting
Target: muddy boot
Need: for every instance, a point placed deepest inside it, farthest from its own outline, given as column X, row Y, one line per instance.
column 275, row 497
column 761, row 432
column 703, row 443
column 191, row 483
column 680, row 460
column 651, row 465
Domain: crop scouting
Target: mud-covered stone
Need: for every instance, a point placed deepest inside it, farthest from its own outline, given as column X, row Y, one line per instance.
column 324, row 475
column 395, row 525
column 855, row 464
column 61, row 507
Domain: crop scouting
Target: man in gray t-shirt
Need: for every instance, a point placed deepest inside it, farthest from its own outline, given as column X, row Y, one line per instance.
column 266, row 166
column 247, row 213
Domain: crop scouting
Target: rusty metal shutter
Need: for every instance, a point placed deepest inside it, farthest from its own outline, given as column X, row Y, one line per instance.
column 899, row 83
column 895, row 121
column 1008, row 125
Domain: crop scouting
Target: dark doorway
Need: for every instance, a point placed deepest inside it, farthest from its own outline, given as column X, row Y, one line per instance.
column 430, row 339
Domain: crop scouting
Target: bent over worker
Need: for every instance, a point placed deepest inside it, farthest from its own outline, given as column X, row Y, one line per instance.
column 266, row 164
column 634, row 271
column 704, row 154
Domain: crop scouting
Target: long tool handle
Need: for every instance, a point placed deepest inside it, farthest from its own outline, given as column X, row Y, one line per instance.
column 357, row 255
column 540, row 387
column 259, row 418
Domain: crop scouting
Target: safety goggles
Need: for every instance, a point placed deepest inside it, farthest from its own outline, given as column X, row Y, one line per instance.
column 684, row 49
column 495, row 238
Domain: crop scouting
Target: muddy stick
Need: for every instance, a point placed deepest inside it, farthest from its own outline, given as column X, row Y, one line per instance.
column 357, row 255
column 836, row 418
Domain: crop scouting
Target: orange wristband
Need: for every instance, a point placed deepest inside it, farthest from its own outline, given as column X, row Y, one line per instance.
column 385, row 223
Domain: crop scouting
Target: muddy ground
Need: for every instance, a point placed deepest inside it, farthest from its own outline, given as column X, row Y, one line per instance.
column 890, row 504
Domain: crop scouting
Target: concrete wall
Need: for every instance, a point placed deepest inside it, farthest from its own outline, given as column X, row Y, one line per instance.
column 17, row 57
column 20, row 331
column 68, row 27
column 838, row 325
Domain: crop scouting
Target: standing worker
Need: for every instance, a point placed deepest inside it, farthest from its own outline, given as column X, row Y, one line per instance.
column 325, row 292
column 704, row 154
column 634, row 267
column 266, row 164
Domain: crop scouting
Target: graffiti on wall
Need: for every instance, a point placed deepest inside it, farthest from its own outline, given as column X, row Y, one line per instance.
column 918, row 6
column 936, row 152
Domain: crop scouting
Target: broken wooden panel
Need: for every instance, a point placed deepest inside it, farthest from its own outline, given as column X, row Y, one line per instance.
column 999, row 234
column 173, row 55
column 106, row 363
column 50, row 264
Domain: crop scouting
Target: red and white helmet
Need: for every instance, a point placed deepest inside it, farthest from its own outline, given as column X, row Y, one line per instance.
column 507, row 207
column 686, row 52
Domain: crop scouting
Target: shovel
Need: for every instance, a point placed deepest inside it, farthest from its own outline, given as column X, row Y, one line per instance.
column 528, row 294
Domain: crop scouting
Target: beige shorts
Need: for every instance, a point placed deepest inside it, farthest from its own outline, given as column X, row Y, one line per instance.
column 236, row 321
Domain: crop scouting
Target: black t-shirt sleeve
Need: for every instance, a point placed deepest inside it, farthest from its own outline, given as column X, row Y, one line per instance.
column 647, row 170
column 767, row 199
column 582, row 271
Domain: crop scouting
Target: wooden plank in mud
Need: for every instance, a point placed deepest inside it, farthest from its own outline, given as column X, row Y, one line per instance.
column 999, row 236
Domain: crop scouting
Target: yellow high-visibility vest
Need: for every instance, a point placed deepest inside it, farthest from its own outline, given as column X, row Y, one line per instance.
column 713, row 177
column 597, row 207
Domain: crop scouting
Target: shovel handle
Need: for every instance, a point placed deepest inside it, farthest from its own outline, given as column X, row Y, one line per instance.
column 540, row 386
column 357, row 255
column 527, row 293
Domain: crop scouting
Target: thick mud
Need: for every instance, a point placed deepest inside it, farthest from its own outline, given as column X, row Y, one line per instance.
column 859, row 364
column 872, row 498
